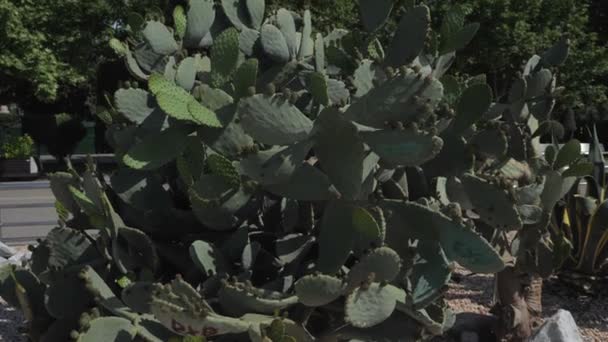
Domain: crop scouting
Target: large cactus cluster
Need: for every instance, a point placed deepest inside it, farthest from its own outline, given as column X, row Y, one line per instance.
column 267, row 170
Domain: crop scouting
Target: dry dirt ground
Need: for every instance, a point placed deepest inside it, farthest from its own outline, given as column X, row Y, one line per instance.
column 473, row 293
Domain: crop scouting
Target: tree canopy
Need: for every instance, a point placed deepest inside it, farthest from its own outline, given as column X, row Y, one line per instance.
column 50, row 47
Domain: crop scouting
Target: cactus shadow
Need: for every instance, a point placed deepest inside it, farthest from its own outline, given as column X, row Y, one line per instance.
column 589, row 312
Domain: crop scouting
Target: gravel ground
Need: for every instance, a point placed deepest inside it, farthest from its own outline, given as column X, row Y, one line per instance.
column 10, row 321
column 474, row 294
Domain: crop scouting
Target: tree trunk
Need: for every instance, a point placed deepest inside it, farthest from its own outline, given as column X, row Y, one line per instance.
column 518, row 305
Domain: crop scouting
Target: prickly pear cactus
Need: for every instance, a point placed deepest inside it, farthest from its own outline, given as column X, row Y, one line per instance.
column 264, row 171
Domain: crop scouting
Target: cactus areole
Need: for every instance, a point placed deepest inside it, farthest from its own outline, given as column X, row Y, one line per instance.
column 279, row 185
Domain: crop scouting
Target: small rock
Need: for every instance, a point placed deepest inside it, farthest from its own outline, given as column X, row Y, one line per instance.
column 6, row 251
column 558, row 328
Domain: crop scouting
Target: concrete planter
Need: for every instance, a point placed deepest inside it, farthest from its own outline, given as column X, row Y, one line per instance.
column 18, row 168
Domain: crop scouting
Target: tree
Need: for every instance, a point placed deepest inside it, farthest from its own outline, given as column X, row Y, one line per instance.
column 49, row 48
column 49, row 55
column 513, row 29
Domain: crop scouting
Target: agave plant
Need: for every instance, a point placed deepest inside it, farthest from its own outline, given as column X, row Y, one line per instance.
column 264, row 170
column 582, row 224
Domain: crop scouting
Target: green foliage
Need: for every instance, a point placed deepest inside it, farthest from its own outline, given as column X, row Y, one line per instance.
column 277, row 178
column 46, row 53
column 579, row 225
column 17, row 147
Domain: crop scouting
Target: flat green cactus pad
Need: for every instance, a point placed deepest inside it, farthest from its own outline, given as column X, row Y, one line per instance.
column 492, row 203
column 160, row 38
column 109, row 329
column 318, row 290
column 224, row 56
column 237, row 13
column 469, row 249
column 276, row 165
column 474, row 103
column 287, row 26
column 215, row 201
column 155, row 151
column 273, row 120
column 375, row 13
column 406, row 98
column 383, row 262
column 245, row 77
column 402, row 147
column 67, row 296
column 256, row 8
column 239, row 300
column 306, row 184
column 138, row 296
column 186, row 73
column 180, row 21
column 135, row 104
column 340, row 151
column 369, row 305
column 274, row 43
column 410, row 37
column 69, row 247
column 209, row 258
column 213, row 98
column 201, row 15
column 430, row 274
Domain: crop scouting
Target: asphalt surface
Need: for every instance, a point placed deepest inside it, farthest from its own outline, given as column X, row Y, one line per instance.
column 27, row 211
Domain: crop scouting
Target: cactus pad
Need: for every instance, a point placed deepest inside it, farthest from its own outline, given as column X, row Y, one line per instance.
column 274, row 43
column 403, row 148
column 410, row 37
column 383, row 262
column 224, row 56
column 406, row 98
column 208, row 258
column 155, row 151
column 492, row 203
column 201, row 15
column 318, row 290
column 369, row 305
column 375, row 13
column 273, row 120
column 160, row 38
column 108, row 329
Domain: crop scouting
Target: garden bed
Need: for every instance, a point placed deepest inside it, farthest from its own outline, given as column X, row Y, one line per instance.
column 473, row 293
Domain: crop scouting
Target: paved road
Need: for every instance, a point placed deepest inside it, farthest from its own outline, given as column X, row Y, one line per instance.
column 27, row 211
